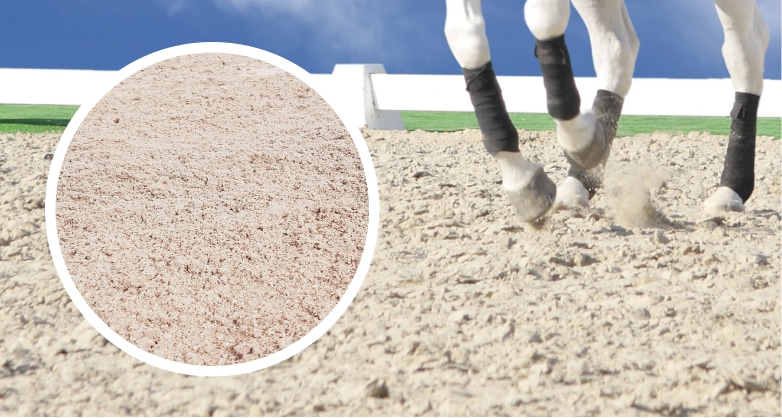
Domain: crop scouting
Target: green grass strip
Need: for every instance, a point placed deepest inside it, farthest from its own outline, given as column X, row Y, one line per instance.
column 49, row 118
column 35, row 118
column 628, row 125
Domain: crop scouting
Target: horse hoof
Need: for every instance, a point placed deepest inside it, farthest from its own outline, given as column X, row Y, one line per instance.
column 534, row 199
column 722, row 201
column 571, row 194
column 595, row 153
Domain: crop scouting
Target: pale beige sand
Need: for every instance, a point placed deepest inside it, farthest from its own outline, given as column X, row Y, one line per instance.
column 212, row 209
column 464, row 312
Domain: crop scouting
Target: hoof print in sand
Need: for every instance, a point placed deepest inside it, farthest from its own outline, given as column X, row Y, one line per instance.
column 212, row 210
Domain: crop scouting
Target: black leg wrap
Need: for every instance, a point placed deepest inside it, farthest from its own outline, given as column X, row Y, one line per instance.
column 608, row 108
column 739, row 170
column 497, row 130
column 562, row 97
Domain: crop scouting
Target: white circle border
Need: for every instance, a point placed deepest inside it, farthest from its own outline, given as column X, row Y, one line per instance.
column 178, row 367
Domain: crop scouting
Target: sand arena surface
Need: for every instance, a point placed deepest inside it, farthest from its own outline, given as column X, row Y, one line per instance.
column 212, row 209
column 464, row 311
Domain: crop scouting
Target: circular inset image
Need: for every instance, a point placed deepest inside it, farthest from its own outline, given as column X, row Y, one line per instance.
column 211, row 214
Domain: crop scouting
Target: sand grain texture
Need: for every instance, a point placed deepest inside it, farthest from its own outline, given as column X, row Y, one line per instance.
column 464, row 311
column 212, row 209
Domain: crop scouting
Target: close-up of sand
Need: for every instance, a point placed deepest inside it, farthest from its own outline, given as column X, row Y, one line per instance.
column 637, row 305
column 212, row 209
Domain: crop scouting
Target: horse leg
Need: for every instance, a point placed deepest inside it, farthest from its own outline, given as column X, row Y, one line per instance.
column 746, row 40
column 529, row 190
column 584, row 136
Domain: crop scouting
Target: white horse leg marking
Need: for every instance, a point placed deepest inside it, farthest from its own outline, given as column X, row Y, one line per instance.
column 529, row 190
column 746, row 41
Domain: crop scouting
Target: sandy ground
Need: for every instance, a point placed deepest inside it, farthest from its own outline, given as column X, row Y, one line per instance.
column 464, row 311
column 212, row 209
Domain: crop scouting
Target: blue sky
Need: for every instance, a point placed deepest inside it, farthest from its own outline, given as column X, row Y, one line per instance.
column 679, row 38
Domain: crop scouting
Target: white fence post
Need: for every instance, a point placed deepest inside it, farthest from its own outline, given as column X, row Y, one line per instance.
column 350, row 87
column 55, row 87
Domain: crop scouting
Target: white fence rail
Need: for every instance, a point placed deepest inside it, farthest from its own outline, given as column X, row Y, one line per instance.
column 368, row 97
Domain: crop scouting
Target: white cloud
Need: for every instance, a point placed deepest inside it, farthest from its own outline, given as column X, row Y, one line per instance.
column 174, row 6
column 351, row 25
